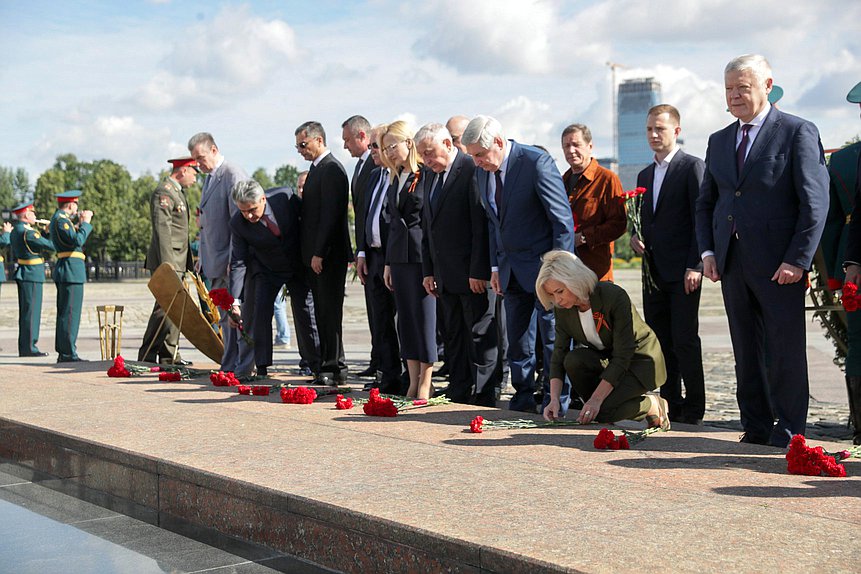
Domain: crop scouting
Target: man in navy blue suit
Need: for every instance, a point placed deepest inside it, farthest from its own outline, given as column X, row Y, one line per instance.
column 760, row 215
column 266, row 235
column 529, row 215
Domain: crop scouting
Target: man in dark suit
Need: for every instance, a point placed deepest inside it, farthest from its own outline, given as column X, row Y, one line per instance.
column 356, row 133
column 308, row 341
column 672, row 258
column 845, row 167
column 266, row 233
column 760, row 215
column 216, row 208
column 326, row 249
column 456, row 267
column 370, row 264
column 528, row 214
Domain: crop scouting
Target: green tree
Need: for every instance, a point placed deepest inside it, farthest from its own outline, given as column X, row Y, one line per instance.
column 49, row 184
column 286, row 175
column 8, row 195
column 108, row 192
column 261, row 177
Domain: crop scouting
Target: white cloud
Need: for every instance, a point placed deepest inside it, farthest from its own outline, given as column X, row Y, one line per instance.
column 119, row 138
column 490, row 36
column 235, row 54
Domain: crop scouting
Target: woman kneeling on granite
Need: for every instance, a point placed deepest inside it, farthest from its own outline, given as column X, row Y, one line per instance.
column 616, row 362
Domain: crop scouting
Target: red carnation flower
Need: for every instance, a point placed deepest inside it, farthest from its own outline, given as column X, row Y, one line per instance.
column 834, row 284
column 475, row 424
column 169, row 377
column 244, row 389
column 850, row 288
column 298, row 395
column 343, row 404
column 260, row 390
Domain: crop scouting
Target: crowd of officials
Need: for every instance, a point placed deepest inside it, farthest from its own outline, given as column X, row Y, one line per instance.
column 470, row 242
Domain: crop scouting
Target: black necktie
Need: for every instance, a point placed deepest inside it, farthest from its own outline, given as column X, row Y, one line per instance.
column 356, row 174
column 498, row 195
column 741, row 152
column 436, row 193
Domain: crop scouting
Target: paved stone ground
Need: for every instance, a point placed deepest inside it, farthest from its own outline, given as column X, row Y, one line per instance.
column 827, row 419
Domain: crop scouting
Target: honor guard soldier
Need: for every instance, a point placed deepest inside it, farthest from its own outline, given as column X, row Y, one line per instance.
column 170, row 216
column 4, row 242
column 28, row 246
column 70, row 273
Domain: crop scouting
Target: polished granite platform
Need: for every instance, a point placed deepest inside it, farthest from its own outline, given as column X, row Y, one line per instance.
column 419, row 493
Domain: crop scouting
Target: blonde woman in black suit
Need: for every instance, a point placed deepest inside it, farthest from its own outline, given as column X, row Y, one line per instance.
column 403, row 271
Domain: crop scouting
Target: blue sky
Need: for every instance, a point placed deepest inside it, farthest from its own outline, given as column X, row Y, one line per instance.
column 132, row 81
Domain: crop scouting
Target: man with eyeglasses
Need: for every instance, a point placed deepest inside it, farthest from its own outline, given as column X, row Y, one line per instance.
column 326, row 248
column 170, row 216
column 216, row 208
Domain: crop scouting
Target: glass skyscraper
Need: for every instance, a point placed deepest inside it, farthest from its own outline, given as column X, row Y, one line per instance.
column 635, row 99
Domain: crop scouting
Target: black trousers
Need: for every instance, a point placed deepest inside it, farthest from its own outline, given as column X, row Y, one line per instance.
column 267, row 287
column 384, row 335
column 471, row 343
column 328, row 291
column 674, row 316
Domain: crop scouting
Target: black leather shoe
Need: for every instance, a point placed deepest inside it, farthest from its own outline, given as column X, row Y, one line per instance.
column 72, row 360
column 36, row 354
column 441, row 372
column 325, row 380
column 753, row 439
column 179, row 363
column 369, row 372
column 369, row 386
column 262, row 372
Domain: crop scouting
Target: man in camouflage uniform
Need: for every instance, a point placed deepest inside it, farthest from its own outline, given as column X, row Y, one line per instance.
column 28, row 246
column 70, row 273
column 170, row 217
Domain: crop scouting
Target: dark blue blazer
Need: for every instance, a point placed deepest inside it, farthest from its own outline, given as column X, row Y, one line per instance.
column 404, row 242
column 668, row 228
column 455, row 245
column 535, row 217
column 257, row 250
column 777, row 205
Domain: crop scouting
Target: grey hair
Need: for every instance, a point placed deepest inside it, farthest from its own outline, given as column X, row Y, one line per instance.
column 435, row 132
column 756, row 63
column 482, row 130
column 247, row 191
column 357, row 124
column 582, row 128
column 201, row 138
column 569, row 270
column 313, row 130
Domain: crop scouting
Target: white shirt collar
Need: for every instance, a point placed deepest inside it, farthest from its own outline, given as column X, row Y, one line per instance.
column 320, row 157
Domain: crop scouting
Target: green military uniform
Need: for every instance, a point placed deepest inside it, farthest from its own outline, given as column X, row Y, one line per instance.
column 170, row 218
column 845, row 171
column 69, row 275
column 28, row 246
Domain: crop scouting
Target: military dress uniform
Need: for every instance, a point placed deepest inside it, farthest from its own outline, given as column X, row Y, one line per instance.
column 170, row 218
column 4, row 242
column 69, row 275
column 28, row 247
